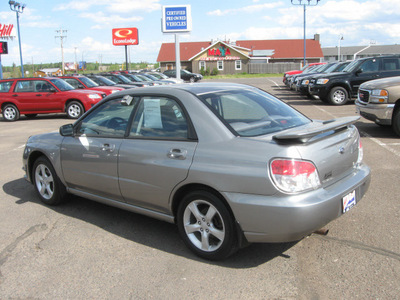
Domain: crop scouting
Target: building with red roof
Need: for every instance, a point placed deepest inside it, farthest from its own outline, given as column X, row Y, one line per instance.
column 231, row 58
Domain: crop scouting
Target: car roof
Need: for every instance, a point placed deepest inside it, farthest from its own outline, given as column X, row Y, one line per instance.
column 196, row 89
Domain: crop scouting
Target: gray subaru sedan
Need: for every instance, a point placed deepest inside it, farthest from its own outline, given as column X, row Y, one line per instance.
column 229, row 164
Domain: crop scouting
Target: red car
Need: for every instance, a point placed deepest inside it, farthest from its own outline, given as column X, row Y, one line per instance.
column 295, row 72
column 83, row 82
column 32, row 96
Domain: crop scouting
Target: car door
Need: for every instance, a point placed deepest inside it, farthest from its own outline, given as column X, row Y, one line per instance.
column 89, row 159
column 26, row 96
column 157, row 154
column 368, row 70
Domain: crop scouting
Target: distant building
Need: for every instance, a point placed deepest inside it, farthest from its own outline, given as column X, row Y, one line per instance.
column 347, row 53
column 48, row 72
column 238, row 57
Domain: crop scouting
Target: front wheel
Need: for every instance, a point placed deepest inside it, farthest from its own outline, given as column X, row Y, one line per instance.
column 74, row 110
column 191, row 80
column 49, row 187
column 206, row 226
column 396, row 122
column 10, row 112
column 338, row 96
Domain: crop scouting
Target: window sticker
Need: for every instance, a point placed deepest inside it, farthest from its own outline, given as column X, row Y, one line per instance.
column 152, row 113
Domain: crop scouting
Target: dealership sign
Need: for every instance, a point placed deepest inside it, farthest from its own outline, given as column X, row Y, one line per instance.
column 176, row 18
column 5, row 30
column 125, row 36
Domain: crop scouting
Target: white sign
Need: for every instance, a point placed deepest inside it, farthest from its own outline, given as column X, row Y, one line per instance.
column 176, row 18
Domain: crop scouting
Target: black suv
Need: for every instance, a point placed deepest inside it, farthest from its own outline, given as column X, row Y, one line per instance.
column 339, row 88
column 185, row 75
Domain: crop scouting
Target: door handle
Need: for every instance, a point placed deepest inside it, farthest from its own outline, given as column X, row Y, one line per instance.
column 108, row 148
column 177, row 154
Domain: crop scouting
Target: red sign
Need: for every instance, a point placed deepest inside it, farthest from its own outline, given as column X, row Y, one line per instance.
column 5, row 30
column 125, row 36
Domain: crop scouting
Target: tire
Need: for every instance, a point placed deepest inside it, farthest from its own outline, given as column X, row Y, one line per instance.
column 206, row 226
column 10, row 113
column 396, row 122
column 338, row 96
column 48, row 186
column 192, row 79
column 75, row 110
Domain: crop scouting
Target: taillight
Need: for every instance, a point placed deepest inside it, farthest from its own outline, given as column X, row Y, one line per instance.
column 360, row 153
column 293, row 176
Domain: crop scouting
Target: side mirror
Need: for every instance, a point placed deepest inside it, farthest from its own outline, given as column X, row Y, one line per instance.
column 52, row 90
column 81, row 86
column 67, row 130
column 359, row 71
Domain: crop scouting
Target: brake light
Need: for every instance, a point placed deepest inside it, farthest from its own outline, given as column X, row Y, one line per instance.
column 293, row 176
column 360, row 153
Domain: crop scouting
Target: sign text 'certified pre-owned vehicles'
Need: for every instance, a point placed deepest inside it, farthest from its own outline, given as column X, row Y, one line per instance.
column 32, row 96
column 379, row 101
column 227, row 163
column 339, row 88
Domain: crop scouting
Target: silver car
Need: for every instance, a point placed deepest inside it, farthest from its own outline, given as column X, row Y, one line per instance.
column 228, row 163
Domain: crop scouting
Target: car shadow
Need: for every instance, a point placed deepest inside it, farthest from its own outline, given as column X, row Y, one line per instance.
column 144, row 230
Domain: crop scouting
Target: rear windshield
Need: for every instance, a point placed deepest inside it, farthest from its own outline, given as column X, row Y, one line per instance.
column 252, row 112
column 5, row 86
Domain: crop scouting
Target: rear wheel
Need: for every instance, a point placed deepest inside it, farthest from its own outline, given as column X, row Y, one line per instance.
column 206, row 226
column 75, row 110
column 49, row 187
column 338, row 96
column 10, row 112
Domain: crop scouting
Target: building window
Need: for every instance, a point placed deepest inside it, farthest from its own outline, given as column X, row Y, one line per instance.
column 202, row 64
column 238, row 64
column 220, row 65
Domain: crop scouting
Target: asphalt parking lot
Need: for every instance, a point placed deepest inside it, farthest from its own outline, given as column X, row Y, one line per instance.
column 86, row 250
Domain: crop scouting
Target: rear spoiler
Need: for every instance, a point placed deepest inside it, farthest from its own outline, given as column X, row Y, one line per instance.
column 305, row 135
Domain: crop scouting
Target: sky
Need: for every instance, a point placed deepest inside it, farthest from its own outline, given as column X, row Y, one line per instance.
column 89, row 24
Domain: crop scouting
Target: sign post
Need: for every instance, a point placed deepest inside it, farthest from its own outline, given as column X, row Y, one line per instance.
column 177, row 19
column 125, row 37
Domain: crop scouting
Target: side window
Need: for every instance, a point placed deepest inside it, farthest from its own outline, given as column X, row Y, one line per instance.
column 41, row 86
column 159, row 117
column 5, row 86
column 371, row 65
column 25, row 86
column 390, row 64
column 108, row 120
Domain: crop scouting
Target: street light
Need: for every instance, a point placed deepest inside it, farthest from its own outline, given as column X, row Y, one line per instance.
column 309, row 3
column 340, row 39
column 19, row 9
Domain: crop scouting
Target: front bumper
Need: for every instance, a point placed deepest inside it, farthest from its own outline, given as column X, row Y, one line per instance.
column 317, row 90
column 288, row 218
column 378, row 113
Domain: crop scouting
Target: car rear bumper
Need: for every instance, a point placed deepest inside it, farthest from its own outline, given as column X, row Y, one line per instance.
column 286, row 218
column 378, row 113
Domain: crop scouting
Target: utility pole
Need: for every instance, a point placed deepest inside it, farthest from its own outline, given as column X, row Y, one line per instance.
column 75, row 66
column 60, row 35
column 305, row 3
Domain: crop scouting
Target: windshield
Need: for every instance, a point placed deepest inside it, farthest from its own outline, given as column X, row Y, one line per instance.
column 352, row 66
column 88, row 82
column 62, row 85
column 124, row 79
column 103, row 81
column 252, row 112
